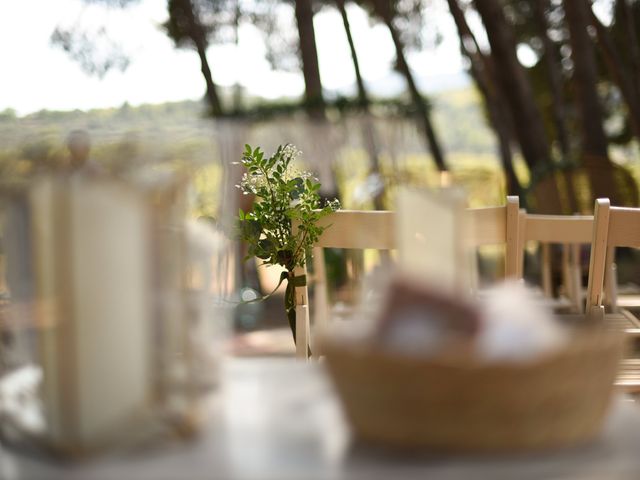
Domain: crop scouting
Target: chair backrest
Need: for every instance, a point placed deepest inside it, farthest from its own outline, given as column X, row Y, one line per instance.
column 558, row 228
column 358, row 229
column 613, row 227
column 568, row 230
column 497, row 225
column 352, row 229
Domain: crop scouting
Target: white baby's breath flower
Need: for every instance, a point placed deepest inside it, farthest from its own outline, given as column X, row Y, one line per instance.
column 291, row 151
column 290, row 174
column 251, row 183
column 293, row 172
column 334, row 204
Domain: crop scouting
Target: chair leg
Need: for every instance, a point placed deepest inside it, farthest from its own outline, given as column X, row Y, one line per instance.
column 576, row 278
column 320, row 301
column 302, row 332
column 302, row 317
column 611, row 281
column 546, row 270
column 596, row 313
column 569, row 287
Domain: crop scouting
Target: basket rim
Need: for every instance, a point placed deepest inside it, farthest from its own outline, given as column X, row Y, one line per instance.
column 581, row 341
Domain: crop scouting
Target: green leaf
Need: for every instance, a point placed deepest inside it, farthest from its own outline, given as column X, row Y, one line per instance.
column 296, row 186
column 284, row 257
column 251, row 229
column 267, row 227
column 265, row 249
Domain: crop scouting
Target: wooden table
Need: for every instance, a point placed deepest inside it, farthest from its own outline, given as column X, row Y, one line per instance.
column 279, row 419
column 629, row 376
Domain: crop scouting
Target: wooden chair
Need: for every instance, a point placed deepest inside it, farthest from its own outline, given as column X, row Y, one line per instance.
column 376, row 230
column 569, row 230
column 354, row 229
column 495, row 226
column 613, row 227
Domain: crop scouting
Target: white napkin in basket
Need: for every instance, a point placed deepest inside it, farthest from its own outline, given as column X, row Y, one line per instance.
column 517, row 326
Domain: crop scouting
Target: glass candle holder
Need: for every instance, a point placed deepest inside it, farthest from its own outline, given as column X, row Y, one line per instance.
column 115, row 308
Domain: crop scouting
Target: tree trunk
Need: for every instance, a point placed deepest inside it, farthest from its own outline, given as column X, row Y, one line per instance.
column 585, row 77
column 212, row 91
column 423, row 110
column 629, row 27
column 512, row 80
column 199, row 38
column 314, row 100
column 238, row 92
column 362, row 92
column 558, row 104
column 368, row 132
column 620, row 74
column 483, row 77
column 554, row 75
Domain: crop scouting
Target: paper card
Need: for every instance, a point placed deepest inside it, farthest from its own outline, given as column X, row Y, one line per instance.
column 431, row 232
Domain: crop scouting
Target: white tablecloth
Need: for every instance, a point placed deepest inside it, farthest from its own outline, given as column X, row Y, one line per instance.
column 279, row 419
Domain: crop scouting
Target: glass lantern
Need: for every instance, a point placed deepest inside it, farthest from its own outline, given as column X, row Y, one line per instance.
column 115, row 303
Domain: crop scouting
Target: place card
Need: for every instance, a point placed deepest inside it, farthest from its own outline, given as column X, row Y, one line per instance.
column 432, row 231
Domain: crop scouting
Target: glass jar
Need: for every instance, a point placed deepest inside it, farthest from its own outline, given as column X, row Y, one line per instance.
column 114, row 309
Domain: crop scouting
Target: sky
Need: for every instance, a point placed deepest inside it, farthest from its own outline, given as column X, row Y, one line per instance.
column 35, row 75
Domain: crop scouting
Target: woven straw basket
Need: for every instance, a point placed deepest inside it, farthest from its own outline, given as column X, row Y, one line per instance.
column 462, row 405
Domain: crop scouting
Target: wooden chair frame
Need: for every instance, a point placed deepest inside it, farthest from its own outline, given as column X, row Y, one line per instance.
column 498, row 225
column 613, row 227
column 569, row 230
column 354, row 229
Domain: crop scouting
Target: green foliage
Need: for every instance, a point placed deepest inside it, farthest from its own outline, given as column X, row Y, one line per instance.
column 208, row 21
column 8, row 114
column 284, row 195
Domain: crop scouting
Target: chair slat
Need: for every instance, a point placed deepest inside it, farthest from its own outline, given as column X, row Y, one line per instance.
column 375, row 230
column 568, row 230
column 488, row 225
column 629, row 375
column 559, row 228
column 624, row 227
